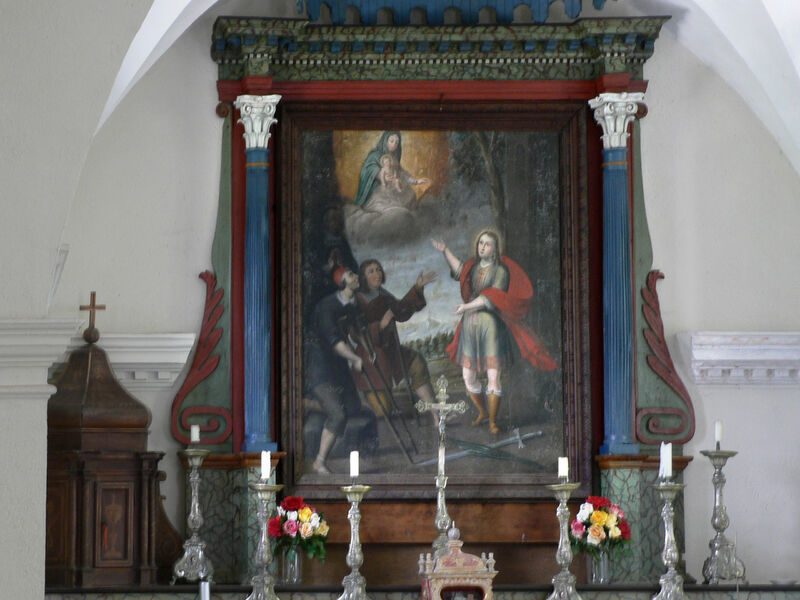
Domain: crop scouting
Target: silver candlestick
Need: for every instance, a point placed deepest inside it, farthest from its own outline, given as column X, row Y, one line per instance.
column 355, row 586
column 671, row 581
column 442, row 409
column 194, row 564
column 263, row 584
column 564, row 581
column 723, row 564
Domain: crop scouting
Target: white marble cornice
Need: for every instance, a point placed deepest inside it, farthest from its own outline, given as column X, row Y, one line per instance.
column 742, row 358
column 27, row 349
column 34, row 342
column 144, row 361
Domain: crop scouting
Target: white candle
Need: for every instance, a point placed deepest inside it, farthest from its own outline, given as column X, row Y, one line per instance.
column 717, row 432
column 563, row 467
column 354, row 464
column 194, row 434
column 665, row 464
column 266, row 464
column 205, row 590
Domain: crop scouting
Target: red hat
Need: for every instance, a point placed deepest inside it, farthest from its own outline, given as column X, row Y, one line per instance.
column 338, row 275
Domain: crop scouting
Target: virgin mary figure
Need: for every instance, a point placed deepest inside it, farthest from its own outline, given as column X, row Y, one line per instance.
column 385, row 202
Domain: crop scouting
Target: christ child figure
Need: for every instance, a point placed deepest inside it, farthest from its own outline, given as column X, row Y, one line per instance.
column 389, row 174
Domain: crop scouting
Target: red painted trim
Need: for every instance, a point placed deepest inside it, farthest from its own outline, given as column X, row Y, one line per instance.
column 649, row 426
column 594, row 151
column 237, row 281
column 442, row 91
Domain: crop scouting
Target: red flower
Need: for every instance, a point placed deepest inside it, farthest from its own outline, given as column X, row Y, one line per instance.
column 599, row 502
column 274, row 527
column 624, row 529
column 292, row 503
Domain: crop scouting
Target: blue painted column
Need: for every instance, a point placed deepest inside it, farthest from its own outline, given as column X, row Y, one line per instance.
column 614, row 112
column 257, row 115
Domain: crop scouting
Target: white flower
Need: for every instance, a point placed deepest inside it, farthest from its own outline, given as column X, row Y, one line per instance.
column 594, row 541
column 291, row 515
column 281, row 511
column 586, row 510
column 314, row 520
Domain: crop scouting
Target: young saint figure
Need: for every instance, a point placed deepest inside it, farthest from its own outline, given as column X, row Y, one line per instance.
column 496, row 294
column 330, row 359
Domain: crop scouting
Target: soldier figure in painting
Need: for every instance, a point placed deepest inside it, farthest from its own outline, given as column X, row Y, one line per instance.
column 496, row 294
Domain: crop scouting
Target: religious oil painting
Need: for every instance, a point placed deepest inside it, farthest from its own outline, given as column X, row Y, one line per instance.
column 433, row 259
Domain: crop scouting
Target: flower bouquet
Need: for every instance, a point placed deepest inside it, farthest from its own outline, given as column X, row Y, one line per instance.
column 599, row 527
column 298, row 526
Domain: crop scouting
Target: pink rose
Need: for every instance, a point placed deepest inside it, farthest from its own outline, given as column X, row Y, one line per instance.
column 290, row 528
column 614, row 509
column 578, row 529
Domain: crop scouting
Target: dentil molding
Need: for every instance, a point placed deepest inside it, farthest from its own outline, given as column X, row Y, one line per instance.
column 742, row 358
column 143, row 361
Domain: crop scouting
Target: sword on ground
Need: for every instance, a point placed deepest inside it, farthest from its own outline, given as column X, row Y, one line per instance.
column 486, row 450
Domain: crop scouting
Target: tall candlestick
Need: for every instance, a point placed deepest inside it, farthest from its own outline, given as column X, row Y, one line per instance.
column 266, row 464
column 718, row 432
column 671, row 581
column 722, row 565
column 354, row 464
column 194, row 434
column 194, row 565
column 563, row 467
column 564, row 581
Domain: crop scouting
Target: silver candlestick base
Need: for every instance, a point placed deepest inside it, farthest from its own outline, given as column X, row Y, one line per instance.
column 723, row 564
column 564, row 581
column 355, row 586
column 671, row 581
column 194, row 564
column 262, row 581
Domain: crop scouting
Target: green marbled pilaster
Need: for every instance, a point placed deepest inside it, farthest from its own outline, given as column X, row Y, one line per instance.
column 230, row 514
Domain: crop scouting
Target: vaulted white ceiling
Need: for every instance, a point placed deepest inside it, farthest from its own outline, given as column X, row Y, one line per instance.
column 754, row 45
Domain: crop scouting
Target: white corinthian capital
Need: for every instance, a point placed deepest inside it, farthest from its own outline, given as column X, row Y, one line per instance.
column 614, row 112
column 257, row 116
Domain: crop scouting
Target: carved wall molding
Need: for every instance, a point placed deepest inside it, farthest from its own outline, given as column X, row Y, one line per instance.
column 34, row 343
column 296, row 50
column 742, row 357
column 144, row 361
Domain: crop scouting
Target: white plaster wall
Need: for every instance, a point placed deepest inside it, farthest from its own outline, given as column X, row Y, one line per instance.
column 723, row 206
column 23, row 466
column 142, row 223
column 58, row 62
column 54, row 82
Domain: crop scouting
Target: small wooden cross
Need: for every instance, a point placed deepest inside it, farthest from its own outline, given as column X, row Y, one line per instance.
column 92, row 308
